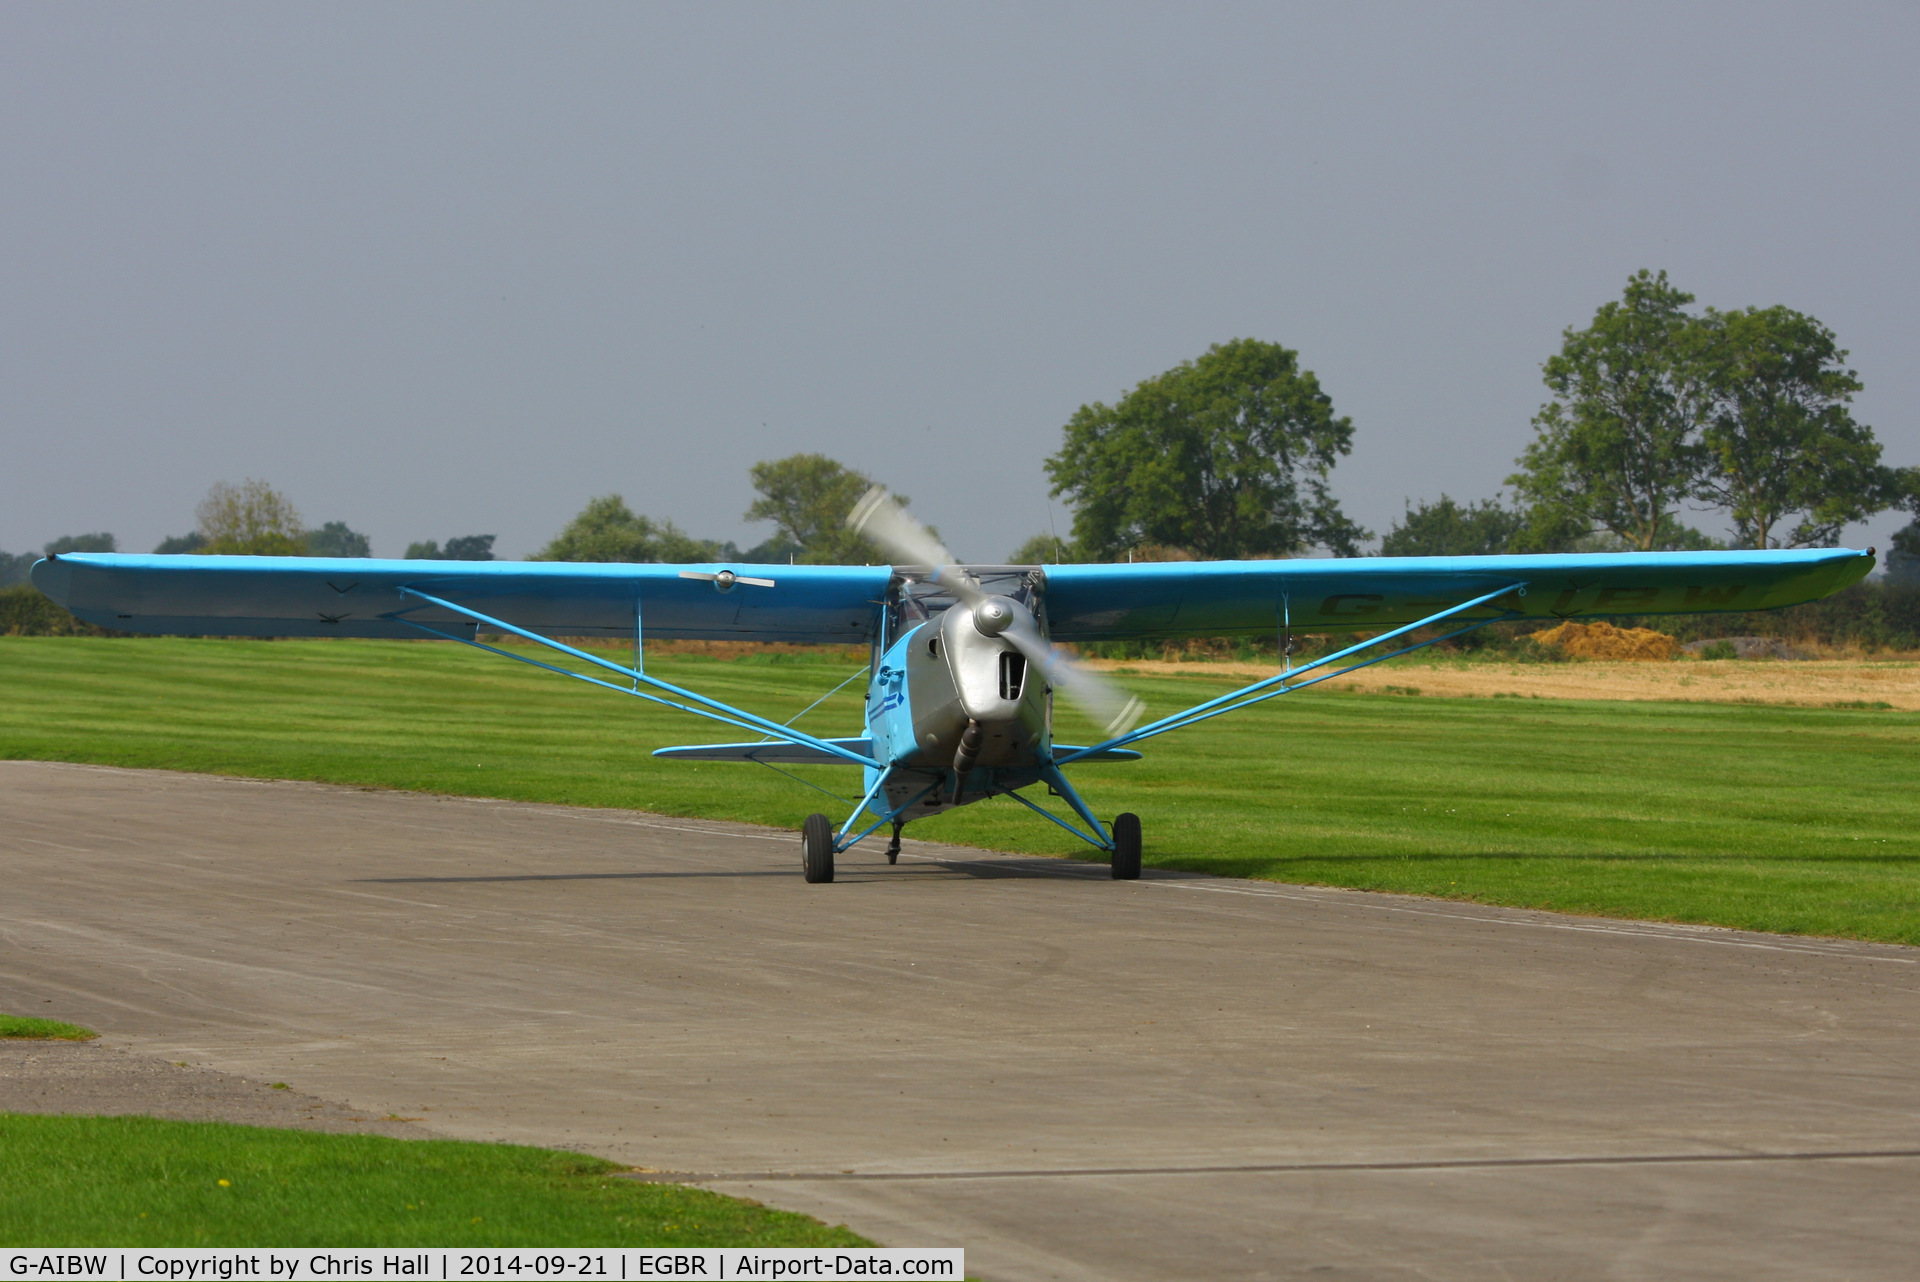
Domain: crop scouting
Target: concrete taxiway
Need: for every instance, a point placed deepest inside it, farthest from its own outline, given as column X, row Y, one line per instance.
column 1073, row 1078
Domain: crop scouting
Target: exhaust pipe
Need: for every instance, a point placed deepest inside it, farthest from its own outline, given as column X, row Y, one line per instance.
column 965, row 756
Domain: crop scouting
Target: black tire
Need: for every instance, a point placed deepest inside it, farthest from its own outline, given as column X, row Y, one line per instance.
column 816, row 849
column 1126, row 847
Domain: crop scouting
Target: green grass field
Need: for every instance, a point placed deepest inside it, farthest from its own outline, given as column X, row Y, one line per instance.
column 1771, row 818
column 138, row 1181
column 28, row 1028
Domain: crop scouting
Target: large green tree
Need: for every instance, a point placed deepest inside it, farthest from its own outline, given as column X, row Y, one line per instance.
column 807, row 497
column 1780, row 439
column 1745, row 411
column 1225, row 456
column 608, row 530
column 1618, row 446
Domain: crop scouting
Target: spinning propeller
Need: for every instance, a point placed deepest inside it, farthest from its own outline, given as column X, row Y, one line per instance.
column 880, row 519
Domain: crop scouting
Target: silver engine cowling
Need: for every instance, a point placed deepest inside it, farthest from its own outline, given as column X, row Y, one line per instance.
column 976, row 700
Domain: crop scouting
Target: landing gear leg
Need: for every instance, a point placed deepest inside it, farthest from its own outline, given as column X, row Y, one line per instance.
column 816, row 848
column 1126, row 847
column 893, row 847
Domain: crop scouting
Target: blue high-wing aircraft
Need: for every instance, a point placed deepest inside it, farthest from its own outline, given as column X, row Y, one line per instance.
column 960, row 689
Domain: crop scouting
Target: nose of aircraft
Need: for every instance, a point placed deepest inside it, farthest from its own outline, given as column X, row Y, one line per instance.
column 993, row 616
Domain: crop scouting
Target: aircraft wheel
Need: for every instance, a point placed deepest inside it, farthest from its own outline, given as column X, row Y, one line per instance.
column 1126, row 847
column 816, row 848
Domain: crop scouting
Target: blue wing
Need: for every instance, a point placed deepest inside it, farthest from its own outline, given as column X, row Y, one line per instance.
column 322, row 596
column 317, row 596
column 1227, row 598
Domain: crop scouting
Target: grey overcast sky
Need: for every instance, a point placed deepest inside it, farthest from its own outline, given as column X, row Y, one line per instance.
column 443, row 269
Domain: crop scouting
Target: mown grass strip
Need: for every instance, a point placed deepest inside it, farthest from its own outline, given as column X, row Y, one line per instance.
column 29, row 1028
column 1762, row 817
column 139, row 1181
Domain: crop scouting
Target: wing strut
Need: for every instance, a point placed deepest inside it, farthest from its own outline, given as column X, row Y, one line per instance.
column 1261, row 691
column 712, row 709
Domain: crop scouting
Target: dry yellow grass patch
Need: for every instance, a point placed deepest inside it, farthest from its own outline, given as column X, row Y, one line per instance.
column 1812, row 683
column 1602, row 640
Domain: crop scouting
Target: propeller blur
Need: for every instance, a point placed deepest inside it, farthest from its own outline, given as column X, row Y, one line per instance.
column 880, row 519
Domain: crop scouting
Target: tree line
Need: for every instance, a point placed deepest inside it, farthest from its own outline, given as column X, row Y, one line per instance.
column 1654, row 411
column 251, row 519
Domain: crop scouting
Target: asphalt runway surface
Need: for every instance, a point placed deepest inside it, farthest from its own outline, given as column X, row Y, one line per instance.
column 1074, row 1078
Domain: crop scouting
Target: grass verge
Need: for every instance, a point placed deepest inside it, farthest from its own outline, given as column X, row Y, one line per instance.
column 1762, row 817
column 28, row 1028
column 139, row 1181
